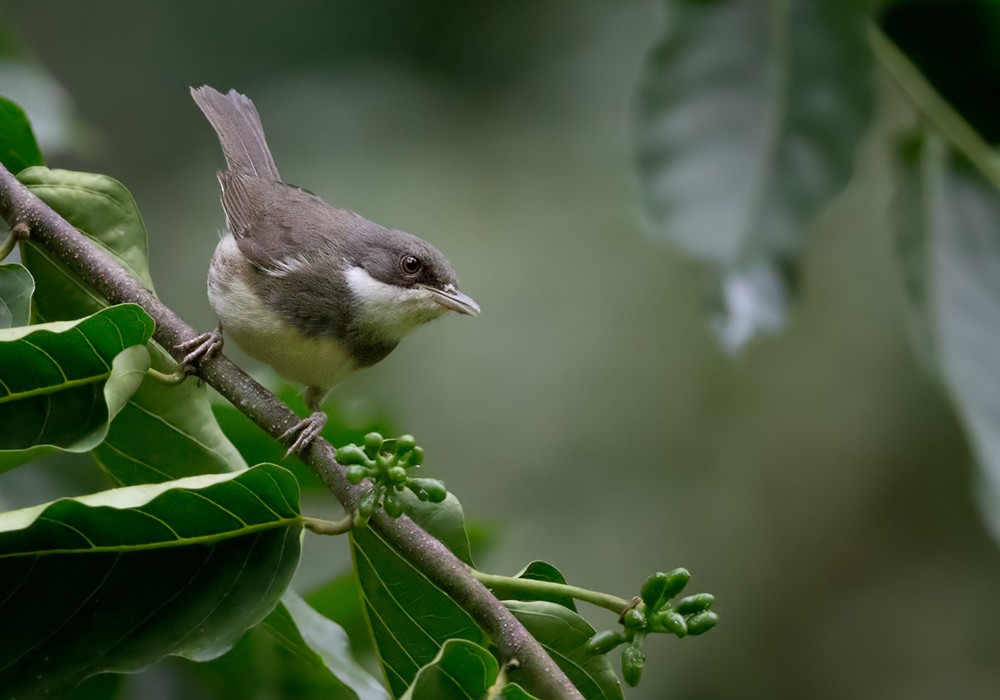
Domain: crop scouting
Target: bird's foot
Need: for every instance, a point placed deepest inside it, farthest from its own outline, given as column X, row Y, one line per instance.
column 303, row 433
column 200, row 348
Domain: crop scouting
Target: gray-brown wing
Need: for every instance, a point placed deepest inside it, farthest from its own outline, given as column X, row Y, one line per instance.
column 274, row 223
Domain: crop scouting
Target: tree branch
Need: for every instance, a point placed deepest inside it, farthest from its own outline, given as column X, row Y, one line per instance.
column 47, row 229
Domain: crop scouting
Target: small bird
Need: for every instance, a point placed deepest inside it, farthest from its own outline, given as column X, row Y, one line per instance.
column 313, row 291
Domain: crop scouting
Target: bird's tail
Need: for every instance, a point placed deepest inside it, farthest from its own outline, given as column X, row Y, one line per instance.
column 237, row 123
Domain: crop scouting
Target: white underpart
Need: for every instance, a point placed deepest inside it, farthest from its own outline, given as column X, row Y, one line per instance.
column 395, row 311
column 262, row 334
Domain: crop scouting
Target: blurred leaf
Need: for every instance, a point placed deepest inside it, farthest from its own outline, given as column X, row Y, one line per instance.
column 954, row 211
column 461, row 670
column 16, row 287
column 946, row 214
column 409, row 617
column 912, row 232
column 165, row 432
column 564, row 635
column 537, row 571
column 62, row 383
column 107, row 686
column 26, row 82
column 113, row 581
column 322, row 643
column 749, row 116
column 340, row 600
column 18, row 149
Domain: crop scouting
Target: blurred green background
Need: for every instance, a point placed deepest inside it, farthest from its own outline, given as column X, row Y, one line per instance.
column 817, row 483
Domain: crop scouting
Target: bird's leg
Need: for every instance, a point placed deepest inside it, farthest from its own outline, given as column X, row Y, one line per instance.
column 305, row 431
column 200, row 348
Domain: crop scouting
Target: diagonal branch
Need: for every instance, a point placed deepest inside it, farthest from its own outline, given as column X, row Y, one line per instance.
column 19, row 206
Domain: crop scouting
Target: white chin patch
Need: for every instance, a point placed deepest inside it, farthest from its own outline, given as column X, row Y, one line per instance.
column 395, row 311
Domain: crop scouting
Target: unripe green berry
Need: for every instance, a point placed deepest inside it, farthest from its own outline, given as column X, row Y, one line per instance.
column 357, row 473
column 367, row 504
column 392, row 503
column 433, row 489
column 634, row 620
column 397, row 475
column 675, row 582
column 693, row 604
column 351, row 454
column 632, row 662
column 373, row 444
column 702, row 622
column 652, row 589
column 405, row 443
column 670, row 621
column 603, row 642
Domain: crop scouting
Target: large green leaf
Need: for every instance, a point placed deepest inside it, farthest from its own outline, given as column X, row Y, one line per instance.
column 563, row 634
column 165, row 432
column 114, row 581
column 947, row 216
column 749, row 116
column 322, row 643
column 409, row 616
column 16, row 287
column 18, row 148
column 339, row 599
column 102, row 208
column 62, row 383
column 953, row 212
column 462, row 670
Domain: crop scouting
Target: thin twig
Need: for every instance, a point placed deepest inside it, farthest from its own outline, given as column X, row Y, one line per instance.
column 47, row 229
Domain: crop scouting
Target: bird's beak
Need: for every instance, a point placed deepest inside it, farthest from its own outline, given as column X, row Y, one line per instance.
column 451, row 298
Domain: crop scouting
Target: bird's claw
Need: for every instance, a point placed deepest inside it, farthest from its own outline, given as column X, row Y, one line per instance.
column 200, row 348
column 303, row 433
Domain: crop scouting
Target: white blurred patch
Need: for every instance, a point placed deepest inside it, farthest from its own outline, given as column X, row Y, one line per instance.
column 754, row 301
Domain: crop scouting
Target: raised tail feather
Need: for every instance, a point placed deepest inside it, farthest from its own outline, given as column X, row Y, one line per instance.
column 237, row 123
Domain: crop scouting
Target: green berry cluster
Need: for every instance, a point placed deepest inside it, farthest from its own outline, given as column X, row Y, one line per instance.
column 652, row 612
column 386, row 463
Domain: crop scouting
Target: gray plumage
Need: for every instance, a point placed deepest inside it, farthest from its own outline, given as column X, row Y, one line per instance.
column 237, row 123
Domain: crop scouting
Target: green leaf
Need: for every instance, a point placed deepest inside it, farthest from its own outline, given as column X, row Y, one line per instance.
column 564, row 635
column 749, row 116
column 322, row 643
column 114, row 581
column 462, row 670
column 951, row 218
column 18, row 148
column 16, row 287
column 62, row 383
column 409, row 617
column 165, row 432
column 444, row 520
column 339, row 599
column 537, row 571
column 102, row 208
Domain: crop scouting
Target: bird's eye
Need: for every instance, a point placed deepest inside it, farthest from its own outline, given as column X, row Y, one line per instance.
column 410, row 265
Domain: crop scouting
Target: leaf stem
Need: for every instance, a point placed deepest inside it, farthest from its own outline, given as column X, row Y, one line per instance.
column 935, row 108
column 329, row 527
column 533, row 586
